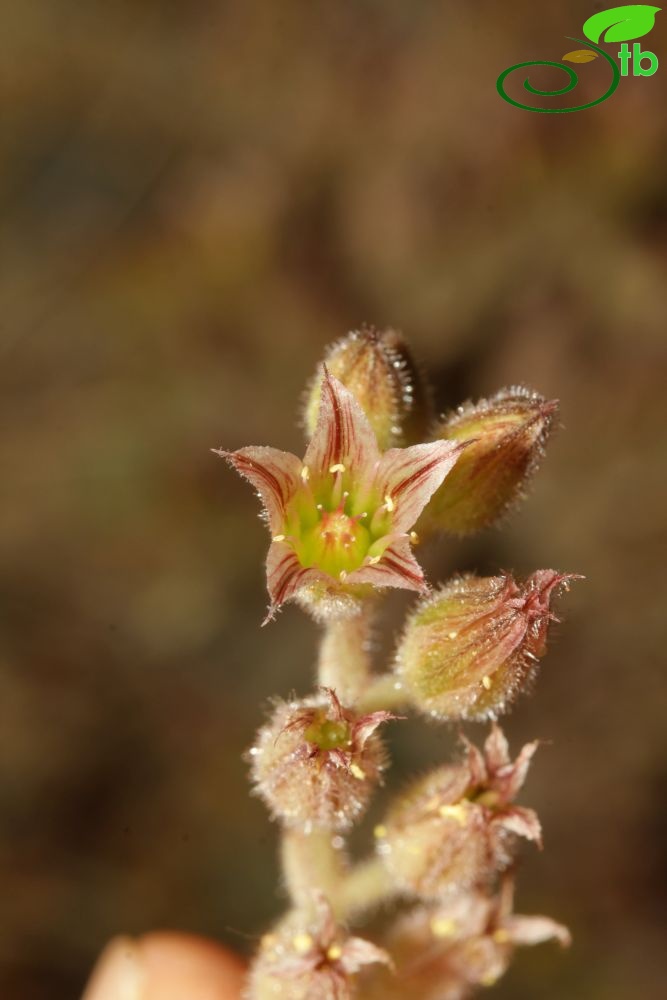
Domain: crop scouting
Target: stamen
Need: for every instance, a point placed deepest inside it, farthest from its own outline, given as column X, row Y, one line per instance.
column 338, row 467
column 305, row 473
column 334, row 952
column 486, row 682
column 414, row 538
column 278, row 538
column 302, row 943
column 389, row 503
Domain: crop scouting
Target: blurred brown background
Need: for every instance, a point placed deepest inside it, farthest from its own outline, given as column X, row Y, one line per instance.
column 196, row 197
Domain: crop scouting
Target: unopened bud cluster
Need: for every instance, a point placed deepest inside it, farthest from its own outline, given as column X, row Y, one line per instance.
column 342, row 527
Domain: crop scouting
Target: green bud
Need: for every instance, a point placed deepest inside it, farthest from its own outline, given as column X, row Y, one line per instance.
column 377, row 368
column 507, row 433
column 472, row 647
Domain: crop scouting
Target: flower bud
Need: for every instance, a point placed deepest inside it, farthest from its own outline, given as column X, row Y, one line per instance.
column 310, row 957
column 457, row 827
column 508, row 433
column 377, row 368
column 468, row 650
column 315, row 763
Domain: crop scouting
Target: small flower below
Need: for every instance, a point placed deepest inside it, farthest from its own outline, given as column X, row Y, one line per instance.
column 311, row 958
column 457, row 827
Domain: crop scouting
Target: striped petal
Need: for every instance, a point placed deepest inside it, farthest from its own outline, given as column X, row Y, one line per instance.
column 285, row 576
column 273, row 473
column 397, row 567
column 408, row 477
column 343, row 435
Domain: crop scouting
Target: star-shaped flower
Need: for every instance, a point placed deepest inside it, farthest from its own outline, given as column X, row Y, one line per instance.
column 340, row 519
column 459, row 825
column 312, row 958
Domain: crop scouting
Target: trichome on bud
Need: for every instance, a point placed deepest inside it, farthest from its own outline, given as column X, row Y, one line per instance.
column 316, row 763
column 378, row 369
column 469, row 649
column 510, row 431
column 456, row 827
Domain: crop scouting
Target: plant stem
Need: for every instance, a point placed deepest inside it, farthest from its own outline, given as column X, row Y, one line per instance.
column 366, row 886
column 383, row 692
column 311, row 862
column 345, row 655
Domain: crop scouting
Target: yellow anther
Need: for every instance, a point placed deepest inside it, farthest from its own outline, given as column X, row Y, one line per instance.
column 342, row 576
column 268, row 941
column 357, row 772
column 278, row 538
column 389, row 503
column 452, row 635
column 334, row 952
column 380, row 831
column 302, row 943
column 338, row 467
column 305, row 473
column 414, row 538
column 486, row 682
column 457, row 813
column 501, row 936
column 443, row 927
column 373, row 560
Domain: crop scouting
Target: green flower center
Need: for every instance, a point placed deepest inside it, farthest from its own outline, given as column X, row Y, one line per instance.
column 328, row 734
column 331, row 527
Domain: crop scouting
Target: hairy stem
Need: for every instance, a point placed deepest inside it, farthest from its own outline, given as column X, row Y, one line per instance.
column 367, row 885
column 383, row 692
column 345, row 655
column 311, row 862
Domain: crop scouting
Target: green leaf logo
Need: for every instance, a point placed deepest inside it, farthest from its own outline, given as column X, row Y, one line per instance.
column 621, row 24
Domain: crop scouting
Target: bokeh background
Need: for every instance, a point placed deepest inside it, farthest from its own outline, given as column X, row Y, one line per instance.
column 196, row 198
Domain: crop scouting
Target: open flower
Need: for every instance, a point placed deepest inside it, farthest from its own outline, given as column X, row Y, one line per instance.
column 311, row 958
column 317, row 763
column 447, row 951
column 340, row 519
column 458, row 826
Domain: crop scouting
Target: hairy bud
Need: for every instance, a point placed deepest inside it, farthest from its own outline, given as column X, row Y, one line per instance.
column 456, row 827
column 444, row 952
column 310, row 958
column 468, row 650
column 376, row 366
column 316, row 763
column 509, row 431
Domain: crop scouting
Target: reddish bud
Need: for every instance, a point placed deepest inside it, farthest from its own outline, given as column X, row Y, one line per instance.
column 311, row 958
column 316, row 763
column 456, row 827
column 377, row 368
column 508, row 433
column 467, row 651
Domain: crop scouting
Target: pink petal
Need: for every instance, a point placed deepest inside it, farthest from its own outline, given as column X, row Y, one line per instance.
column 285, row 576
column 358, row 952
column 496, row 749
column 410, row 476
column 366, row 725
column 522, row 822
column 397, row 568
column 509, row 780
column 343, row 435
column 273, row 473
column 535, row 930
